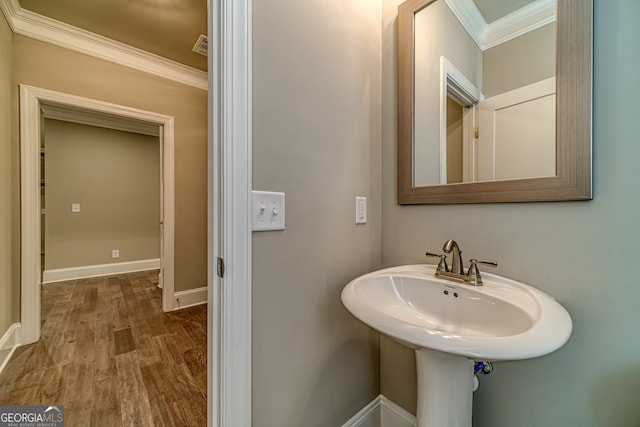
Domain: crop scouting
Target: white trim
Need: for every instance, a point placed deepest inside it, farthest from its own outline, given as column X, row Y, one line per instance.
column 191, row 297
column 389, row 413
column 365, row 415
column 8, row 344
column 30, row 100
column 29, row 213
column 91, row 118
column 400, row 417
column 33, row 25
column 82, row 272
column 452, row 83
column 229, row 397
column 528, row 18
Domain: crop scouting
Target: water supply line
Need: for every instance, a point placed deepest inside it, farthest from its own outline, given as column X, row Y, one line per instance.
column 483, row 367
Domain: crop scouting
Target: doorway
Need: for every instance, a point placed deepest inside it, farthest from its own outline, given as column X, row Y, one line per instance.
column 100, row 197
column 33, row 102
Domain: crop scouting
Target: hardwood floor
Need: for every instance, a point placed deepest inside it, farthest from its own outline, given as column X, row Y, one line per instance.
column 111, row 357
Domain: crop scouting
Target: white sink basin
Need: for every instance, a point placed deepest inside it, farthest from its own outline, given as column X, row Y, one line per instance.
column 451, row 324
column 501, row 320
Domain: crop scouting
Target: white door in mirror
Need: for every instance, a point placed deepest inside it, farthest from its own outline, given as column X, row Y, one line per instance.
column 267, row 210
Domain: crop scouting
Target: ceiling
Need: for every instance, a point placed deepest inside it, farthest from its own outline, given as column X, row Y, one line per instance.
column 491, row 10
column 168, row 28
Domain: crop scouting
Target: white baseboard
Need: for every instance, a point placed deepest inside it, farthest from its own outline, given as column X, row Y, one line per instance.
column 382, row 412
column 190, row 298
column 8, row 344
column 395, row 416
column 62, row 274
column 369, row 416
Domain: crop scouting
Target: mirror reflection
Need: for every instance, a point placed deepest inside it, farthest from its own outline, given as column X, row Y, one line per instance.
column 484, row 100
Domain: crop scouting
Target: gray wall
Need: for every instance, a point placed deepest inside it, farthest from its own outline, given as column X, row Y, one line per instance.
column 115, row 177
column 519, row 62
column 316, row 137
column 583, row 253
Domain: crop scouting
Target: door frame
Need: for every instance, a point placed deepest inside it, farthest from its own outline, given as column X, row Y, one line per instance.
column 31, row 100
column 455, row 85
column 230, row 183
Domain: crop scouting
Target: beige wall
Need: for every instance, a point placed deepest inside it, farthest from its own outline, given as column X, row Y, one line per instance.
column 8, row 276
column 521, row 61
column 397, row 363
column 47, row 66
column 583, row 253
column 115, row 177
column 316, row 137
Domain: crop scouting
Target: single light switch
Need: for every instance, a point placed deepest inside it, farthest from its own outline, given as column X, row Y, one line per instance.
column 75, row 207
column 267, row 211
column 361, row 210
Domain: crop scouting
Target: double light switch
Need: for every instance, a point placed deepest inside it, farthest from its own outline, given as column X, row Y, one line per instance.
column 268, row 211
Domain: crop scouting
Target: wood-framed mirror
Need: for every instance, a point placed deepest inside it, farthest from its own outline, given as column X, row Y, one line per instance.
column 573, row 117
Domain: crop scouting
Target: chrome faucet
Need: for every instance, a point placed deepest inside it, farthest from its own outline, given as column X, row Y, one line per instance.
column 456, row 266
column 457, row 272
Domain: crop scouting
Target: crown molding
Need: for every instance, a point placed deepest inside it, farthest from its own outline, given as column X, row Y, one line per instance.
column 33, row 25
column 527, row 18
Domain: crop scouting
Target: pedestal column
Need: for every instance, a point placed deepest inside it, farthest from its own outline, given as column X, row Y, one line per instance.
column 445, row 389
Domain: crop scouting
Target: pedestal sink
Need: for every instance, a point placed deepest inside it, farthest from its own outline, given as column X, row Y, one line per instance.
column 450, row 325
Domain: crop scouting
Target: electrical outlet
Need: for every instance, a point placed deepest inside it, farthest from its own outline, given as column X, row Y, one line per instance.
column 115, row 253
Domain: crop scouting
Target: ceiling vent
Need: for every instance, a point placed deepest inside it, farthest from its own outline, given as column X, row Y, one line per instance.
column 201, row 45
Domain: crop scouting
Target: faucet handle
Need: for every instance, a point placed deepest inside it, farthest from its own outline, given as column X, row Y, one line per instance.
column 489, row 263
column 475, row 273
column 473, row 266
column 442, row 265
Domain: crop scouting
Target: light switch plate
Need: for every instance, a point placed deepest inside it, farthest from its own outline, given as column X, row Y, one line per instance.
column 267, row 211
column 75, row 207
column 361, row 210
